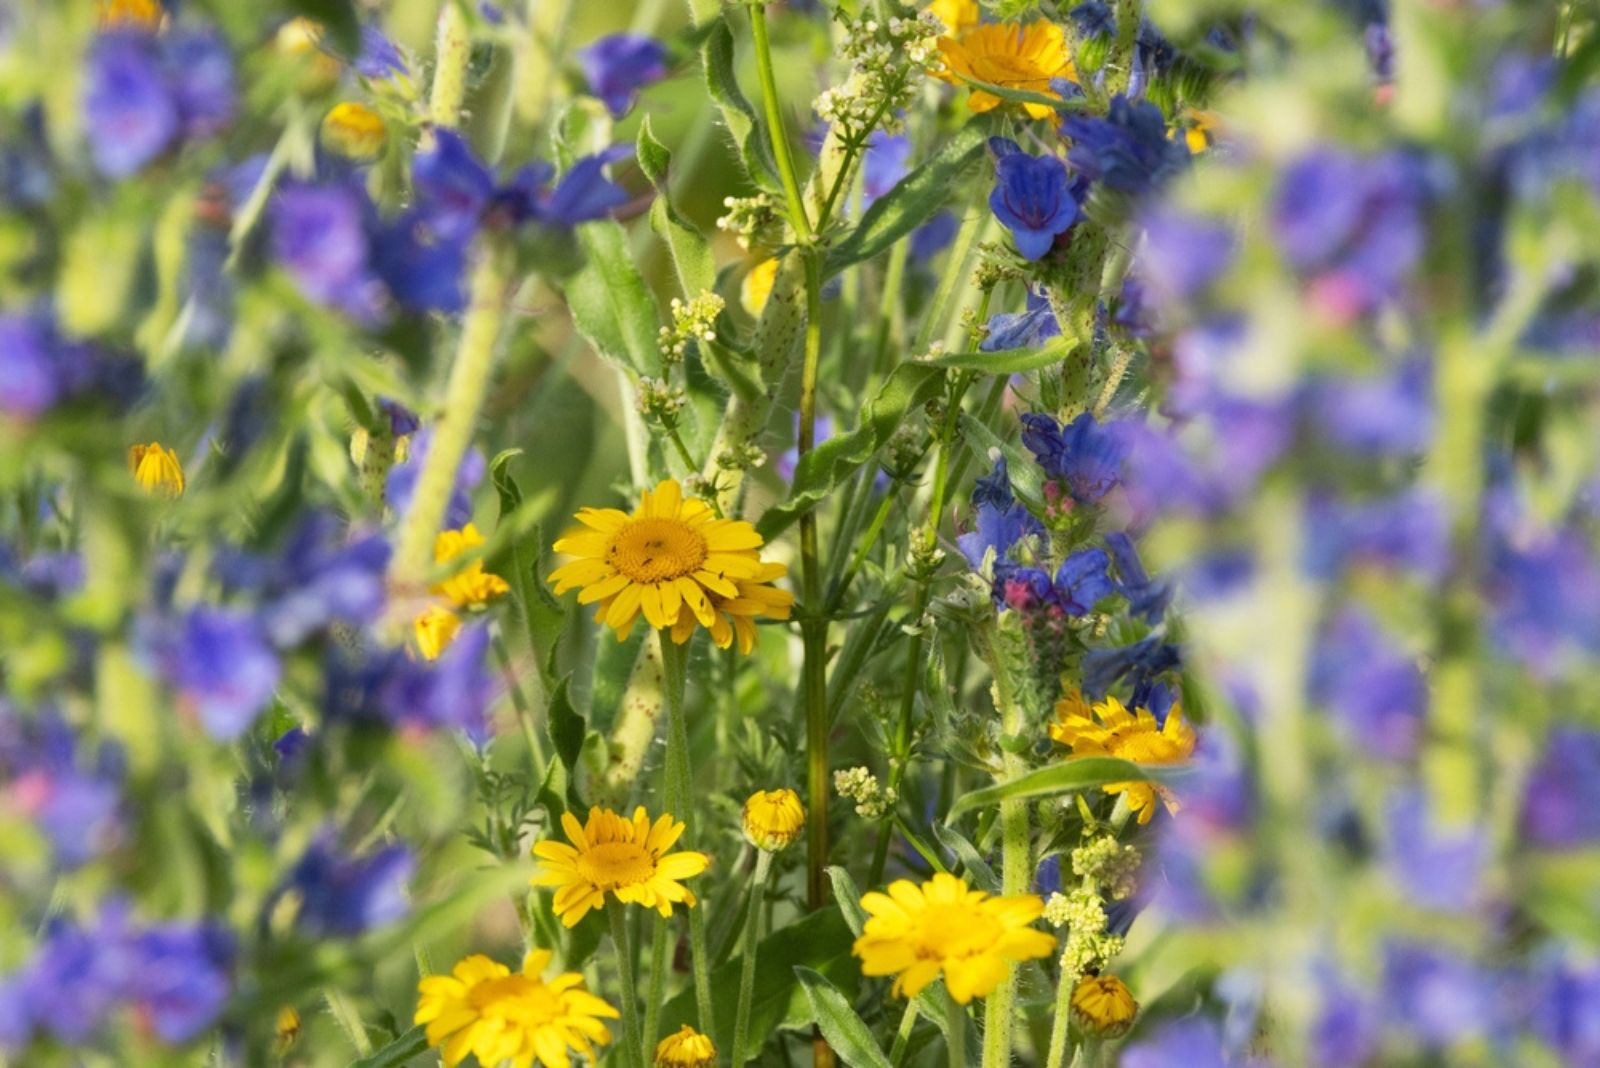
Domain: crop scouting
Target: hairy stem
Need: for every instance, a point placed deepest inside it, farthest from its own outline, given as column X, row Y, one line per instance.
column 747, row 971
column 452, row 49
column 631, row 1042
column 675, row 668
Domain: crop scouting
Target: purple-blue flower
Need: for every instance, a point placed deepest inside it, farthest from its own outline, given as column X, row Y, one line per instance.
column 1408, row 531
column 402, row 480
column 1389, row 413
column 1561, row 801
column 145, row 93
column 1182, row 254
column 1082, row 581
column 321, row 235
column 1144, row 659
column 342, row 896
column 1438, row 867
column 885, row 162
column 29, row 383
column 1147, row 597
column 1377, row 691
column 1435, row 995
column 71, row 792
column 378, row 58
column 1033, row 197
column 618, row 65
column 1565, row 1002
column 385, row 687
column 318, row 578
column 1544, row 593
column 220, row 660
column 1128, row 150
column 1026, row 329
column 999, row 520
column 1084, row 456
column 1192, row 1042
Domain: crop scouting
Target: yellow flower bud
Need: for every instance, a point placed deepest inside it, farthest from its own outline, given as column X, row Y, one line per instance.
column 436, row 628
column 354, row 131
column 287, row 1028
column 687, row 1048
column 156, row 469
column 773, row 819
column 1104, row 1004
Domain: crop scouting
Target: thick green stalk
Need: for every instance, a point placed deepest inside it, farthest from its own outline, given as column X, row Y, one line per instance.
column 452, row 430
column 452, row 49
column 675, row 668
column 349, row 1020
column 780, row 141
column 631, row 1041
column 955, row 1032
column 660, row 948
column 1059, row 1026
column 747, row 970
column 902, row 1037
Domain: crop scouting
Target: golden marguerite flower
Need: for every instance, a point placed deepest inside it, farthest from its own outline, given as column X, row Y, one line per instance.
column 354, row 130
column 626, row 858
column 147, row 14
column 471, row 585
column 916, row 933
column 735, row 617
column 435, row 628
column 1012, row 56
column 1104, row 1004
column 958, row 16
column 773, row 819
column 667, row 557
column 155, row 467
column 687, row 1048
column 1109, row 729
column 501, row 1017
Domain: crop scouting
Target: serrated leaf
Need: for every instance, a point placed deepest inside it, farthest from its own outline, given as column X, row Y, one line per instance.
column 611, row 305
column 691, row 256
column 839, row 1024
column 915, row 200
column 1006, row 361
column 737, row 114
column 826, row 467
column 1067, row 777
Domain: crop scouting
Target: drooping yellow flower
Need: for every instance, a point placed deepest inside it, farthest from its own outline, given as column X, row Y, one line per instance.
column 436, row 627
column 354, row 131
column 664, row 559
column 735, row 617
column 626, row 858
column 757, row 285
column 958, row 16
column 156, row 468
column 483, row 1008
column 1199, row 129
column 916, row 933
column 1010, row 55
column 773, row 819
column 1109, row 729
column 472, row 585
column 687, row 1048
column 286, row 1028
column 142, row 13
column 1104, row 1004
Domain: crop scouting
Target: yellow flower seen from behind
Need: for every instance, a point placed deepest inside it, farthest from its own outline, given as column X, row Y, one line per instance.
column 773, row 819
column 354, row 131
column 626, row 858
column 757, row 285
column 958, row 16
column 471, row 585
column 1012, row 56
column 435, row 629
column 1104, row 1004
column 665, row 561
column 484, row 1009
column 686, row 1048
column 1109, row 729
column 156, row 469
column 944, row 927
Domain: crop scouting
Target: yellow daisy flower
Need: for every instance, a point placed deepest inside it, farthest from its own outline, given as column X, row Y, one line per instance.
column 1109, row 729
column 435, row 629
column 625, row 858
column 736, row 616
column 1104, row 1004
column 916, row 933
column 958, row 16
column 667, row 557
column 482, row 1008
column 472, row 585
column 354, row 131
column 156, row 469
column 687, row 1048
column 148, row 14
column 1009, row 55
column 773, row 819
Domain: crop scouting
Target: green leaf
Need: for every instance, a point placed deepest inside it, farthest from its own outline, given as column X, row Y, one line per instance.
column 848, row 895
column 821, row 941
column 1026, row 477
column 697, row 268
column 1069, row 776
column 908, row 205
column 1024, row 96
column 410, row 1044
column 978, row 871
column 1006, row 361
column 567, row 727
column 839, row 1023
column 737, row 114
column 826, row 467
column 611, row 305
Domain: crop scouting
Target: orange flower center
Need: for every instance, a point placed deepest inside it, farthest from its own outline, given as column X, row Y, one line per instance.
column 656, row 550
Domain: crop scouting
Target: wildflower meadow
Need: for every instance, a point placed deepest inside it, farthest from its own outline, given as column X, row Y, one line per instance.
column 687, row 533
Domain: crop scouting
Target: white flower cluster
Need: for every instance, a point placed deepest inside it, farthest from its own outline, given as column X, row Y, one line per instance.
column 861, row 786
column 660, row 400
column 751, row 220
column 1114, row 866
column 695, row 320
column 1083, row 913
column 886, row 60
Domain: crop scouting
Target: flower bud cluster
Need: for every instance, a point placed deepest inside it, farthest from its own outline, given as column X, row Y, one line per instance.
column 694, row 320
column 873, row 802
column 660, row 401
column 887, row 59
column 752, row 220
column 1112, row 865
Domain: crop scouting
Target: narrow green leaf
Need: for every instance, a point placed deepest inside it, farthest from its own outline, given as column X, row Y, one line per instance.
column 410, row 1044
column 611, row 305
column 1069, row 776
column 1024, row 96
column 567, row 727
column 696, row 267
column 978, row 870
column 908, row 205
column 839, row 1023
column 1006, row 361
column 825, row 468
column 848, row 895
column 737, row 114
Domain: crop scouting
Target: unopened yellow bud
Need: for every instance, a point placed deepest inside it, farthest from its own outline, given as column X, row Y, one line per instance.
column 773, row 819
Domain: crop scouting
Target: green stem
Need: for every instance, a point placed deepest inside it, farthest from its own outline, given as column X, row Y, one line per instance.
column 660, row 945
column 955, row 268
column 955, row 1032
column 675, row 672
column 813, row 626
column 780, row 142
column 452, row 430
column 631, row 1042
column 451, row 51
column 747, row 971
column 902, row 1037
column 1014, row 846
column 349, row 1020
column 525, row 712
column 1063, row 1016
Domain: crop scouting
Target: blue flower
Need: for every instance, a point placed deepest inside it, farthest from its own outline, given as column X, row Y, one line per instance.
column 1147, row 598
column 385, row 687
column 457, row 193
column 1083, row 581
column 1346, row 1031
column 220, row 661
column 1406, row 532
column 1193, row 1042
column 72, row 793
column 1561, row 802
column 378, row 58
column 999, row 520
column 146, row 93
column 1145, row 658
column 1022, row 330
column 1377, row 691
column 929, row 239
column 1128, row 150
column 1033, row 197
column 1437, row 868
column 1182, row 254
column 344, row 896
column 317, row 579
column 1387, row 414
column 617, row 66
column 1566, row 1009
column 29, row 385
column 885, row 162
column 1435, row 995
column 181, row 978
column 1544, row 592
column 321, row 235
column 1084, row 456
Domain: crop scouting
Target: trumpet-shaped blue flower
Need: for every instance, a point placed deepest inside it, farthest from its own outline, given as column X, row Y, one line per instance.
column 1026, row 329
column 145, row 93
column 1376, row 691
column 999, row 520
column 1082, row 581
column 344, row 896
column 318, row 578
column 1033, row 197
column 1128, row 150
column 1084, row 456
column 618, row 65
column 220, row 661
column 1561, row 802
